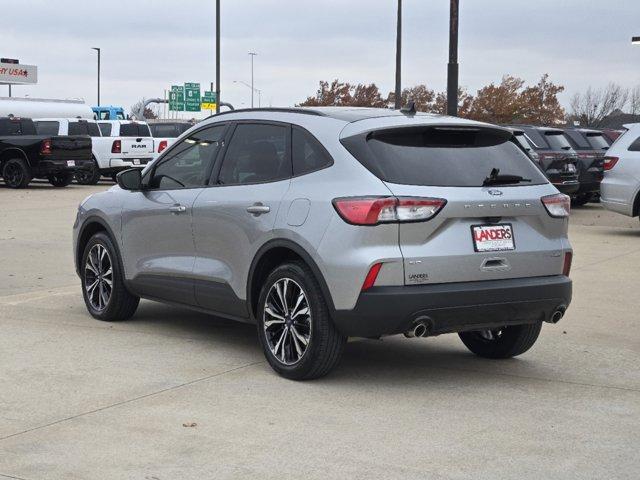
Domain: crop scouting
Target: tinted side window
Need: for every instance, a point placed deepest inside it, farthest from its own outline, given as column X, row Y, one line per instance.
column 538, row 140
column 578, row 140
column 134, row 130
column 256, row 153
column 164, row 131
column 188, row 164
column 83, row 128
column 597, row 141
column 307, row 153
column 557, row 141
column 105, row 128
column 47, row 127
column 635, row 146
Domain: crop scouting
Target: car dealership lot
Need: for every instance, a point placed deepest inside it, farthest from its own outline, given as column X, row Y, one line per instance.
column 84, row 399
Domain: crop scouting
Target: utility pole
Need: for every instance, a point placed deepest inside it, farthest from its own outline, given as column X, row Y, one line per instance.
column 398, row 93
column 253, row 54
column 452, row 70
column 217, row 56
column 98, row 50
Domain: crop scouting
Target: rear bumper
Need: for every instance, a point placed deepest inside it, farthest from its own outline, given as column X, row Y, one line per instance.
column 125, row 163
column 52, row 167
column 568, row 187
column 455, row 307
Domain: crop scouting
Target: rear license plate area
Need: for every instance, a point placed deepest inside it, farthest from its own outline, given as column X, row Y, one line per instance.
column 493, row 238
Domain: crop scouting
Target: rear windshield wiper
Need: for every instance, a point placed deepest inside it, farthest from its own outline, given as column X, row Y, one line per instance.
column 495, row 178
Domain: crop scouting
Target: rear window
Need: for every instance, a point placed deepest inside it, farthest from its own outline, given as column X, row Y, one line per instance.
column 578, row 139
column 134, row 130
column 597, row 141
column 17, row 127
column 442, row 157
column 160, row 130
column 84, row 128
column 47, row 127
column 105, row 128
column 522, row 140
column 557, row 141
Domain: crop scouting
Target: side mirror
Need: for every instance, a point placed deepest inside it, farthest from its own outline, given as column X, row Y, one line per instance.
column 130, row 179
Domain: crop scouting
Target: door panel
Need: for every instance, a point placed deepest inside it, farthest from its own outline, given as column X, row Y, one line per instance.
column 233, row 218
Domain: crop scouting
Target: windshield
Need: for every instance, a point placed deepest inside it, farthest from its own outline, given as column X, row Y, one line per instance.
column 441, row 157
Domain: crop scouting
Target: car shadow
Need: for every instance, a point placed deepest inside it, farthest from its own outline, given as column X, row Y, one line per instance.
column 391, row 360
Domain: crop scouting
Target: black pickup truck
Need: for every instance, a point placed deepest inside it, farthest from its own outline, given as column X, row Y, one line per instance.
column 24, row 155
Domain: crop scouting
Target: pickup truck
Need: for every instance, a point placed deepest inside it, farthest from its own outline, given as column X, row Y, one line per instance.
column 25, row 155
column 100, row 146
column 131, row 146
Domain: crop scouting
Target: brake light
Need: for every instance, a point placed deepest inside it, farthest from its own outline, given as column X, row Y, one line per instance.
column 116, row 146
column 566, row 267
column 558, row 206
column 610, row 162
column 371, row 277
column 45, row 146
column 376, row 210
column 162, row 146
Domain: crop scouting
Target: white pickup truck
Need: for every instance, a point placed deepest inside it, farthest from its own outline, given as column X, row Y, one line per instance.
column 166, row 133
column 100, row 146
column 132, row 144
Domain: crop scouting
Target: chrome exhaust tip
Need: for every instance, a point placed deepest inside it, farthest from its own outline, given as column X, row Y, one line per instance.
column 558, row 314
column 418, row 329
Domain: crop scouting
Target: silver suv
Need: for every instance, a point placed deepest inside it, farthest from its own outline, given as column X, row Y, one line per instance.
column 323, row 224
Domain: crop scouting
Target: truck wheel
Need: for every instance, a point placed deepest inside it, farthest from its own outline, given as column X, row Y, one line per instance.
column 16, row 173
column 90, row 176
column 581, row 200
column 60, row 179
column 505, row 342
column 295, row 330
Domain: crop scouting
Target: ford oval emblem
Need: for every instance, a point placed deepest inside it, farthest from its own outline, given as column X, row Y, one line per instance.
column 495, row 193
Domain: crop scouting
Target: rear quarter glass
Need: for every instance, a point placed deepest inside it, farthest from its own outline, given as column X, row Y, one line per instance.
column 432, row 156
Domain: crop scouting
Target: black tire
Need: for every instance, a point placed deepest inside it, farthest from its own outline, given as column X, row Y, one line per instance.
column 89, row 176
column 121, row 304
column 60, row 179
column 15, row 173
column 507, row 342
column 325, row 344
column 114, row 177
column 581, row 200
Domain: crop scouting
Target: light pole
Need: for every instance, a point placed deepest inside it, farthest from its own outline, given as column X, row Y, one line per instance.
column 217, row 56
column 452, row 70
column 398, row 93
column 252, row 54
column 98, row 50
column 257, row 90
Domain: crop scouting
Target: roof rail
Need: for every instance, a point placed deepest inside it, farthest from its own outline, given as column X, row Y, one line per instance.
column 303, row 111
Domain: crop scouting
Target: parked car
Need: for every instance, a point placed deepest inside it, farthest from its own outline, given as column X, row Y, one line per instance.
column 165, row 133
column 611, row 135
column 25, row 155
column 555, row 156
column 100, row 146
column 328, row 223
column 131, row 146
column 590, row 145
column 621, row 183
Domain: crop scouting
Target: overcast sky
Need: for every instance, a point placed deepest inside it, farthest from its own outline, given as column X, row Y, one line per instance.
column 148, row 45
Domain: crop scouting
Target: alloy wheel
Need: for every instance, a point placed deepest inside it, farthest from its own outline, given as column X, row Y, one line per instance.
column 287, row 321
column 98, row 277
column 13, row 174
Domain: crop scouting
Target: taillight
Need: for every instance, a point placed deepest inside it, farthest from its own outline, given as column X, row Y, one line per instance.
column 610, row 162
column 116, row 146
column 558, row 205
column 45, row 146
column 162, row 146
column 371, row 277
column 376, row 210
column 566, row 267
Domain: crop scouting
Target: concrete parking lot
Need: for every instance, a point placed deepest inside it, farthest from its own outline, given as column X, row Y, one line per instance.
column 174, row 394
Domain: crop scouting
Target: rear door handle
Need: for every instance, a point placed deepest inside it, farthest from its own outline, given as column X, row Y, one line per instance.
column 177, row 209
column 258, row 209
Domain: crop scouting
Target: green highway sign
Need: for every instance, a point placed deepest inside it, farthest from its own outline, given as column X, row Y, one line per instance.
column 176, row 98
column 192, row 97
column 209, row 100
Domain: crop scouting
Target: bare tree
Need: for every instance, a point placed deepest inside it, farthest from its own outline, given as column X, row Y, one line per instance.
column 591, row 107
column 148, row 112
column 634, row 100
